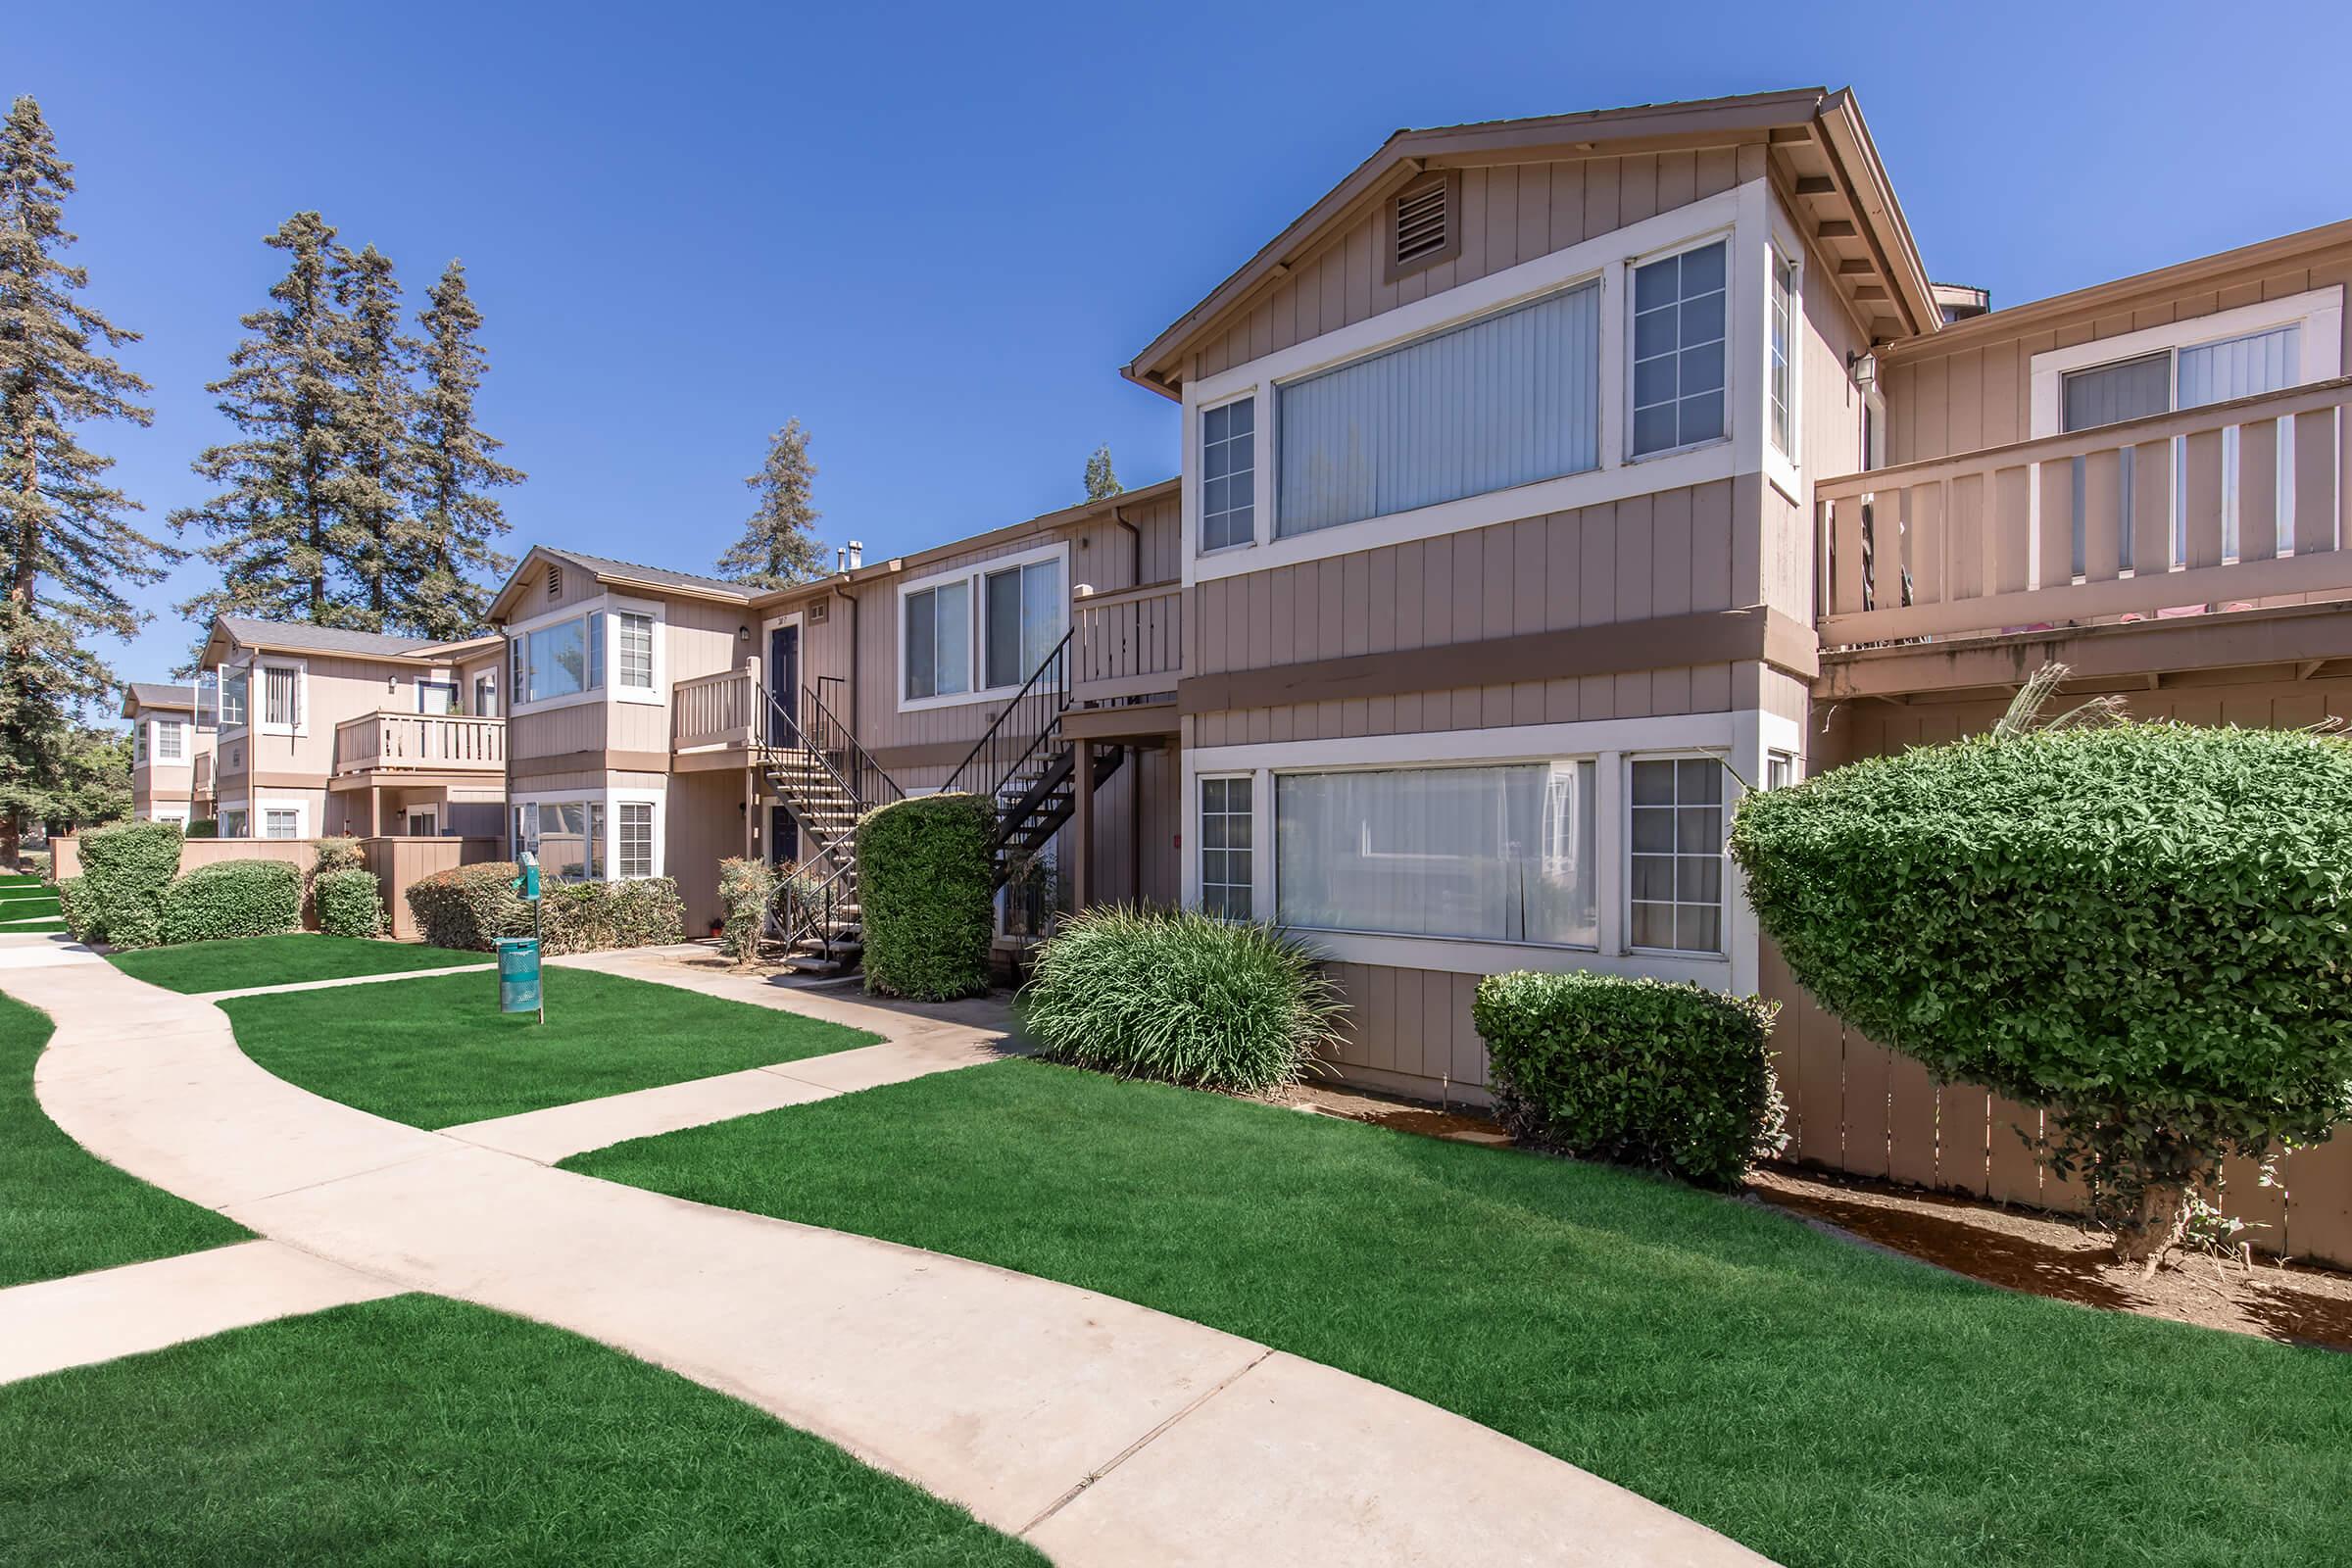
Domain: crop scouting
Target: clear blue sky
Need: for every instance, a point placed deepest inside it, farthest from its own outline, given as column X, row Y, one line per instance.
column 934, row 233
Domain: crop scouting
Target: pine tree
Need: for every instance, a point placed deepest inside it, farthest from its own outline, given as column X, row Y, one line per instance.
column 277, row 530
column 371, row 492
column 457, row 519
column 779, row 544
column 67, row 552
column 1101, row 480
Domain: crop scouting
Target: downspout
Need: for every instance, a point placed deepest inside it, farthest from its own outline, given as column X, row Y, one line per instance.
column 1119, row 515
column 845, row 595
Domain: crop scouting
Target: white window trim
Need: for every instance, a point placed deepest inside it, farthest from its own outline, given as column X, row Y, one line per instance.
column 257, row 695
column 1732, row 790
column 600, row 605
column 222, row 811
column 610, row 797
column 1730, row 239
column 258, row 821
column 155, row 742
column 974, row 571
column 659, row 693
column 410, row 814
column 222, row 672
column 1741, row 210
column 2319, row 312
column 1261, row 488
column 1786, row 470
column 1741, row 738
column 168, row 813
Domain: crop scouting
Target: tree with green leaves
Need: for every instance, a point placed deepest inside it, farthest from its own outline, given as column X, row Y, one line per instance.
column 93, row 785
column 779, row 544
column 370, row 490
column 1101, row 480
column 277, row 526
column 458, row 522
column 67, row 549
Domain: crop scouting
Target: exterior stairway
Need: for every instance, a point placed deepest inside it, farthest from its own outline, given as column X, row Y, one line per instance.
column 1027, row 766
column 825, row 781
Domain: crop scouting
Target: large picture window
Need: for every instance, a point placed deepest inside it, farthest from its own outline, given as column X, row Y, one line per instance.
column 1507, row 400
column 561, row 658
column 1679, row 328
column 1501, row 853
column 984, row 630
column 567, row 837
column 1676, row 890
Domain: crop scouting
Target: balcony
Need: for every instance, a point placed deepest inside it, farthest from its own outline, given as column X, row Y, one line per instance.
column 1128, row 644
column 419, row 742
column 2232, row 507
column 717, row 711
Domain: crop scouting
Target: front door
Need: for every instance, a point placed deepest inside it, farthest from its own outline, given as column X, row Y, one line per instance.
column 784, row 674
column 783, row 837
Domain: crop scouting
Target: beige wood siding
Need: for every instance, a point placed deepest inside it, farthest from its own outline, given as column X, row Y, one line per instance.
column 1509, row 214
column 1409, row 1030
column 704, row 826
column 1974, row 393
column 562, row 731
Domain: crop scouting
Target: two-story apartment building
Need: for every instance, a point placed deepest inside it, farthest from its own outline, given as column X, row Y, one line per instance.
column 325, row 731
column 1545, row 485
column 170, row 752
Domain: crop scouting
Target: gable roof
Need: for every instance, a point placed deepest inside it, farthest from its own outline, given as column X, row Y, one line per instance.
column 1855, row 189
column 300, row 637
column 605, row 568
column 172, row 694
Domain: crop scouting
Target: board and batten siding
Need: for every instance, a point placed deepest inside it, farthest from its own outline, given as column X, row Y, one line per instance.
column 1509, row 214
column 1975, row 392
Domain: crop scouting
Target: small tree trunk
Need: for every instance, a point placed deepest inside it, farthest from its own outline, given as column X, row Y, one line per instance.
column 2154, row 1228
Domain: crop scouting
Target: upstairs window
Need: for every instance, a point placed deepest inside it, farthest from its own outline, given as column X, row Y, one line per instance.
column 281, row 697
column 939, row 641
column 984, row 629
column 561, row 660
column 171, row 744
column 1024, row 611
column 1229, row 474
column 232, row 698
column 1678, row 326
column 1784, row 356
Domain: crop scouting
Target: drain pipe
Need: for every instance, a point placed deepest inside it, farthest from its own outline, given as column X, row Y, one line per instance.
column 1119, row 515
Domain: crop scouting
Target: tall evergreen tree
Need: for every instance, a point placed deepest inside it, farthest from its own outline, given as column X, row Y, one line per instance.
column 779, row 544
column 457, row 519
column 371, row 492
column 277, row 526
column 1101, row 480
column 67, row 551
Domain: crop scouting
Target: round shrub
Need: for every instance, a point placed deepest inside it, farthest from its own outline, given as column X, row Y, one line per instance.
column 926, row 894
column 125, row 871
column 338, row 855
column 469, row 906
column 1175, row 994
column 1665, row 1077
column 351, row 903
column 744, row 889
column 2140, row 928
column 233, row 899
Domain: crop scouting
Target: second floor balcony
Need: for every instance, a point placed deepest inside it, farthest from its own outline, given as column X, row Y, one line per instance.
column 420, row 743
column 2231, row 507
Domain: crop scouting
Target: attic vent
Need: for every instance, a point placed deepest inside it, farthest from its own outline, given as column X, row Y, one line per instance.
column 555, row 582
column 1422, row 221
column 818, row 612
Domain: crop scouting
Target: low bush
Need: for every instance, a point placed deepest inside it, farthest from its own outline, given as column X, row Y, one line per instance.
column 1665, row 1077
column 124, row 872
column 746, row 890
column 646, row 911
column 926, row 895
column 233, row 899
column 39, row 863
column 78, row 911
column 593, row 916
column 202, row 827
column 470, row 906
column 1175, row 994
column 351, row 903
column 337, row 855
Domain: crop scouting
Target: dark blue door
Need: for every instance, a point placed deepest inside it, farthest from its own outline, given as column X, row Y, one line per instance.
column 784, row 672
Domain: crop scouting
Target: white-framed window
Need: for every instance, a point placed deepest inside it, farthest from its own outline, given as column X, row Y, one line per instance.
column 1780, row 769
column 561, row 658
column 282, row 821
column 636, row 629
column 1783, row 317
column 485, row 694
column 634, row 847
column 1227, row 845
column 1674, row 886
column 281, row 694
column 1504, row 853
column 232, row 821
column 981, row 630
column 436, row 697
column 1681, row 321
column 170, row 740
column 234, row 686
column 1229, row 474
column 138, row 746
column 567, row 837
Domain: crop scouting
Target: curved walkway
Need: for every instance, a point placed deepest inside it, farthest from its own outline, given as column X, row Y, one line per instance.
column 1101, row 1432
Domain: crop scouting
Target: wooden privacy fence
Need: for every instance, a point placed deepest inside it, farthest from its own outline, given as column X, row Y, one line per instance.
column 1854, row 1106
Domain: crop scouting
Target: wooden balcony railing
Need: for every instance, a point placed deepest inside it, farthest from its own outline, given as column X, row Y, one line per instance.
column 436, row 743
column 2229, row 503
column 1126, row 643
column 720, row 709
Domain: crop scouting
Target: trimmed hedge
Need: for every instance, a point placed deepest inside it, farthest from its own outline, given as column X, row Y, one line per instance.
column 351, row 903
column 78, row 912
column 203, row 827
column 1665, row 1077
column 1178, row 995
column 746, row 889
column 2142, row 927
column 124, row 872
column 233, row 899
column 926, row 894
column 338, row 855
column 470, row 906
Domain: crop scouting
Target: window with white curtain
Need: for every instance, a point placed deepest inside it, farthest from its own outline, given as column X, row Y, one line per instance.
column 1679, row 328
column 1227, row 851
column 1675, row 892
column 1502, row 853
column 1505, row 400
column 281, row 697
column 633, row 851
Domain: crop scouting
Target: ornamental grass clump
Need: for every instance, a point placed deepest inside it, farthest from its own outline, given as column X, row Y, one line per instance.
column 2141, row 928
column 1177, row 995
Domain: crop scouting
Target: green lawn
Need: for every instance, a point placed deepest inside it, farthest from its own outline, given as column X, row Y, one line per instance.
column 436, row 1052
column 1826, row 1405
column 63, row 1210
column 417, row 1429
column 195, row 967
column 26, row 902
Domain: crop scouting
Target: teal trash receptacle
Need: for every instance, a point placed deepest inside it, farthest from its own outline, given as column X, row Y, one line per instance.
column 519, row 974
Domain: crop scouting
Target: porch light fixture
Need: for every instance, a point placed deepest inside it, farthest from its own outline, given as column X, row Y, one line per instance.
column 743, row 634
column 1862, row 370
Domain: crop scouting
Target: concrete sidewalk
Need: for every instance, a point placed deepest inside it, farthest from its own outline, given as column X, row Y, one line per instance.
column 1105, row 1433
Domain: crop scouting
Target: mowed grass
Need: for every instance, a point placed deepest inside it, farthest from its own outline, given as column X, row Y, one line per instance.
column 437, row 1052
column 195, row 967
column 419, row 1430
column 63, row 1210
column 28, row 904
column 1827, row 1406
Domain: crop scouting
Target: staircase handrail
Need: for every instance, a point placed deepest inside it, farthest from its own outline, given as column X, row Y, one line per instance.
column 862, row 769
column 816, row 913
column 993, row 746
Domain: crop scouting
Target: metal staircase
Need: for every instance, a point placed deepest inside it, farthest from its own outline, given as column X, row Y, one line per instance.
column 826, row 782
column 1028, row 768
